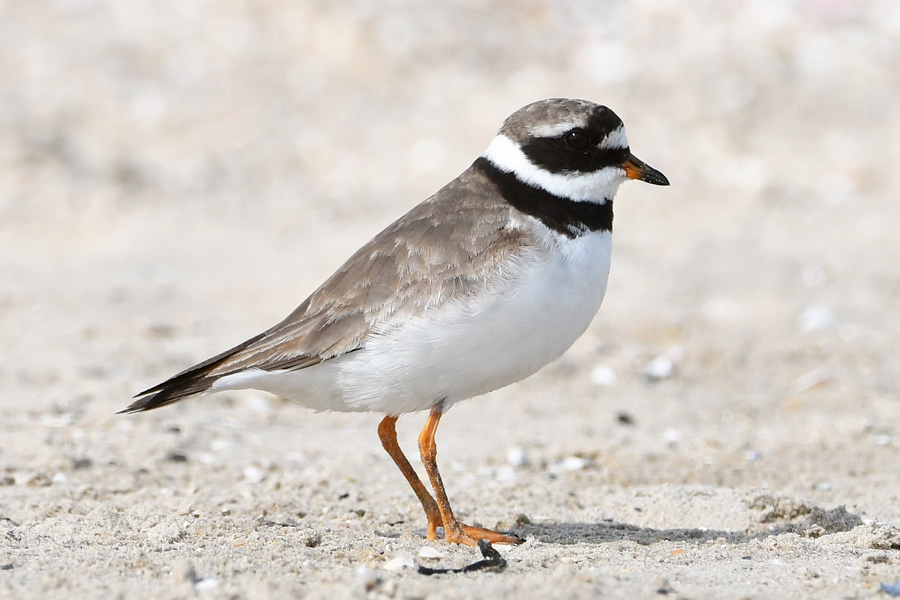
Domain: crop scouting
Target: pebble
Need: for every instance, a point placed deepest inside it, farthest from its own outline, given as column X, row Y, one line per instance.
column 430, row 552
column 207, row 584
column 663, row 366
column 659, row 368
column 816, row 317
column 625, row 418
column 604, row 376
column 570, row 463
column 254, row 474
column 810, row 379
column 400, row 562
column 517, row 457
column 671, row 436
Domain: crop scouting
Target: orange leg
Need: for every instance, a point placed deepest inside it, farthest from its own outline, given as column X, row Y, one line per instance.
column 454, row 531
column 387, row 431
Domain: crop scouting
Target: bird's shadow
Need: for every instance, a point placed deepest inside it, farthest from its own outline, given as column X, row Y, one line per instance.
column 606, row 532
column 801, row 519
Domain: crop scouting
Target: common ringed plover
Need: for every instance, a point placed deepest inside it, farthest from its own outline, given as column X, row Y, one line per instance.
column 477, row 287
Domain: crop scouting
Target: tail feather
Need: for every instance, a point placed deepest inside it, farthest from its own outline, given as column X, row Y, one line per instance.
column 189, row 382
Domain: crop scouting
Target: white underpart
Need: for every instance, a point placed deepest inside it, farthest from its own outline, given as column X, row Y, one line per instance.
column 594, row 186
column 543, row 303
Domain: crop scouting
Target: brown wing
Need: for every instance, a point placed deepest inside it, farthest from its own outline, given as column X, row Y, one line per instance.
column 448, row 247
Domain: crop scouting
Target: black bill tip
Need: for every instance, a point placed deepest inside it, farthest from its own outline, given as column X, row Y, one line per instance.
column 635, row 168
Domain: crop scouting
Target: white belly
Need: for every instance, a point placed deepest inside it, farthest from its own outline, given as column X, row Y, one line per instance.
column 465, row 349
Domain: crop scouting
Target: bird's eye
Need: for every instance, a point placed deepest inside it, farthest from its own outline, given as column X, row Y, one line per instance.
column 577, row 140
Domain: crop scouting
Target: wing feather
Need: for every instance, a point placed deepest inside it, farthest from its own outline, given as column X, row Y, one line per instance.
column 448, row 247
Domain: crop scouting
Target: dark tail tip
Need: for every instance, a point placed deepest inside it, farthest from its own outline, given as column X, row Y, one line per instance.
column 195, row 380
column 164, row 395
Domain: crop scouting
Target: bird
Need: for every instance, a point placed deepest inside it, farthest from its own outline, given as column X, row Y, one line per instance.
column 478, row 287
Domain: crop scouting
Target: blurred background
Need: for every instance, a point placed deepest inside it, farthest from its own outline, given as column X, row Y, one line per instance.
column 176, row 176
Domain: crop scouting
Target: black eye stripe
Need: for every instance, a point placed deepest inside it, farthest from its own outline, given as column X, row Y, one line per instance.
column 556, row 156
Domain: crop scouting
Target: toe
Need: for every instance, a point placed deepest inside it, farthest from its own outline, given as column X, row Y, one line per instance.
column 469, row 535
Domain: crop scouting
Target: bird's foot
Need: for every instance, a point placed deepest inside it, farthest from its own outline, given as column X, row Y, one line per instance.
column 460, row 533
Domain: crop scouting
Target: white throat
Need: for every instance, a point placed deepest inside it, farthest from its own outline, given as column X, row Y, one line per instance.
column 596, row 186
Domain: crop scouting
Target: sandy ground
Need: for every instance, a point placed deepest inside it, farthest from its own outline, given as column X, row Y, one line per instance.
column 176, row 176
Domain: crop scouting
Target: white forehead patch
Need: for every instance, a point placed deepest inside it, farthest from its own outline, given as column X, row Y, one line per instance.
column 595, row 186
column 554, row 129
column 616, row 140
